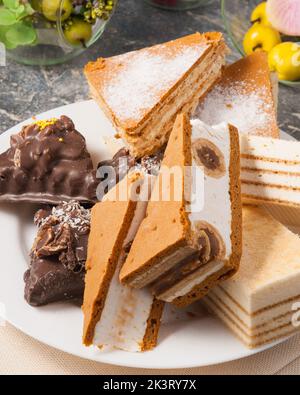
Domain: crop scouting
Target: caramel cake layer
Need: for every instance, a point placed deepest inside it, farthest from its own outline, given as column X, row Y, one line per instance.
column 245, row 97
column 270, row 170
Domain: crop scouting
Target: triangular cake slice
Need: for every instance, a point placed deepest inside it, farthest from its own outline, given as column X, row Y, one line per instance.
column 116, row 316
column 142, row 91
column 183, row 252
column 245, row 97
column 260, row 303
column 48, row 162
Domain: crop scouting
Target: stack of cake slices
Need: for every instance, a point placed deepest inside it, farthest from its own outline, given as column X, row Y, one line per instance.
column 163, row 250
column 181, row 251
column 201, row 139
column 170, row 248
column 142, row 91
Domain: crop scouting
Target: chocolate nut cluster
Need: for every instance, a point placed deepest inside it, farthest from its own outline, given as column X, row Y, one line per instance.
column 47, row 162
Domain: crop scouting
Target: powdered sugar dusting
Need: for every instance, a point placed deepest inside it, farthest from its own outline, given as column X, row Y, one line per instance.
column 238, row 105
column 145, row 76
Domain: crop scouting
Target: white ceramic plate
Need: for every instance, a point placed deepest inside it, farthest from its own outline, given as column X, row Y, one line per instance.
column 186, row 339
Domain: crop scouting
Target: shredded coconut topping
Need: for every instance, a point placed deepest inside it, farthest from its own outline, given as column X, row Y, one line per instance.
column 149, row 164
column 238, row 105
column 143, row 77
column 71, row 213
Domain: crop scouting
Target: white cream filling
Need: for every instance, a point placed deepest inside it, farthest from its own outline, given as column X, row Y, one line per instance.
column 217, row 204
column 124, row 318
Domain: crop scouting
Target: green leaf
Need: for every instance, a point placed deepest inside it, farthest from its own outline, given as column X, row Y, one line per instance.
column 20, row 10
column 8, row 45
column 7, row 17
column 21, row 34
column 11, row 4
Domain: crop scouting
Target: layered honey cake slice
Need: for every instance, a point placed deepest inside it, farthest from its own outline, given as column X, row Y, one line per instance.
column 179, row 250
column 260, row 303
column 116, row 316
column 141, row 92
column 245, row 97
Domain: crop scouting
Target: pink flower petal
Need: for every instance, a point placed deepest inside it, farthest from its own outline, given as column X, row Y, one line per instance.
column 284, row 15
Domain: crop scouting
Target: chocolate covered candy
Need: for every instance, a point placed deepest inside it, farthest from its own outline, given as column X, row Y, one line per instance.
column 47, row 162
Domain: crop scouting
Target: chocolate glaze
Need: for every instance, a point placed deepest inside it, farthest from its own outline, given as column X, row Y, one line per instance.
column 58, row 255
column 48, row 164
column 47, row 281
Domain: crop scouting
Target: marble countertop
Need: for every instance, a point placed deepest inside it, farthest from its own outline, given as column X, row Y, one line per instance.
column 26, row 91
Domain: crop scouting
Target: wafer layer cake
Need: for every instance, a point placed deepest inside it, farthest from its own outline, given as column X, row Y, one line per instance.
column 258, row 303
column 270, row 171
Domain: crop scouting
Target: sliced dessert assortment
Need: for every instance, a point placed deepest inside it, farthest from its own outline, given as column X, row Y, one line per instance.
column 245, row 97
column 257, row 303
column 47, row 162
column 169, row 226
column 116, row 315
column 141, row 92
column 178, row 251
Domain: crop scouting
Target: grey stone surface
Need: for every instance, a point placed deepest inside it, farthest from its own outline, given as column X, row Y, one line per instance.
column 26, row 91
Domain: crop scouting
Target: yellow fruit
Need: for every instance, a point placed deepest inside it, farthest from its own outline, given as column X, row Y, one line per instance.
column 285, row 59
column 259, row 14
column 52, row 8
column 260, row 37
column 79, row 33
